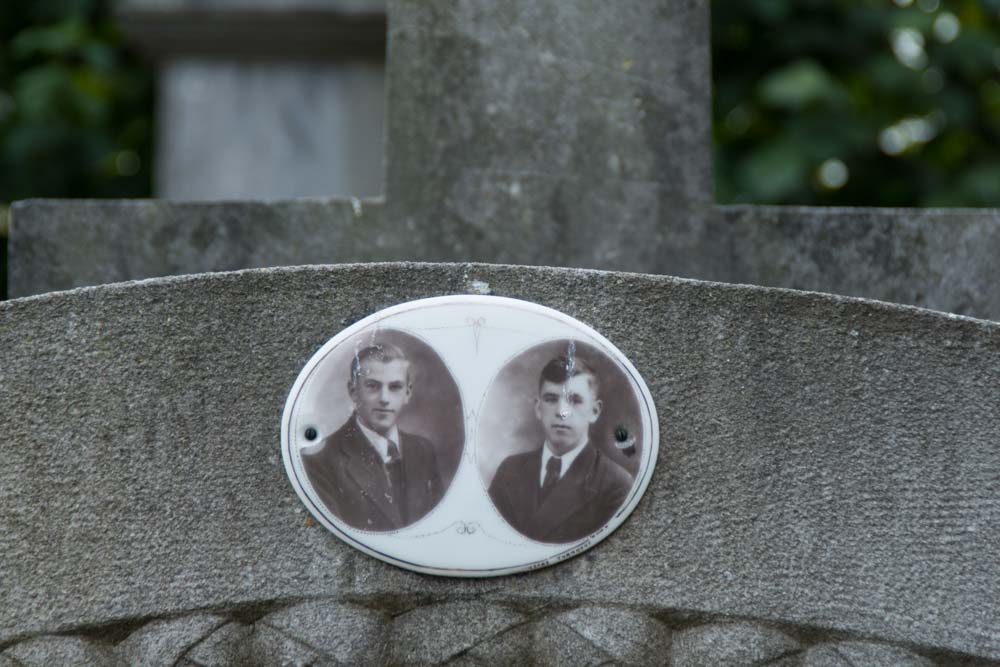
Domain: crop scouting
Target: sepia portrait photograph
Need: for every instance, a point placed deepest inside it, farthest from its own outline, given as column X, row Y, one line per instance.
column 560, row 441
column 384, row 434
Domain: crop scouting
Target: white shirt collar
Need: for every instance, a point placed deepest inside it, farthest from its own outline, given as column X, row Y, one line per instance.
column 567, row 459
column 379, row 442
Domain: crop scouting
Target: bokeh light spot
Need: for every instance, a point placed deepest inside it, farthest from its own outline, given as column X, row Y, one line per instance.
column 947, row 27
column 833, row 174
column 908, row 47
column 892, row 141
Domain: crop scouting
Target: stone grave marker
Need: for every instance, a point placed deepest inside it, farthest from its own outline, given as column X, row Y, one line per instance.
column 511, row 138
column 827, row 492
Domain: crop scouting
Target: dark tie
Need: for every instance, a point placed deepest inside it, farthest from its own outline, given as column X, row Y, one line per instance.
column 552, row 469
column 394, row 471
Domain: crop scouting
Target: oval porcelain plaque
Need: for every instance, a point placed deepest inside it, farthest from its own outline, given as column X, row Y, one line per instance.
column 469, row 436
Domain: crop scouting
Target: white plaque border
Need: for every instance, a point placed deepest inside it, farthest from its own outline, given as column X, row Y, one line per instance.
column 559, row 552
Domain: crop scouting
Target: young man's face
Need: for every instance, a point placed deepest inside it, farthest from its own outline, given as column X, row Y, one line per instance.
column 566, row 411
column 382, row 389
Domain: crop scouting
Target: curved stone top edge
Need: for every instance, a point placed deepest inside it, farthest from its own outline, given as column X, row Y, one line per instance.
column 209, row 278
column 977, row 214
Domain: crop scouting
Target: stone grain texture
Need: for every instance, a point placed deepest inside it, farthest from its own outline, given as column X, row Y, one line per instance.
column 623, row 635
column 434, row 634
column 730, row 645
column 938, row 259
column 54, row 650
column 349, row 634
column 935, row 258
column 545, row 636
column 320, row 124
column 163, row 643
column 573, row 133
column 264, row 98
column 849, row 654
column 57, row 245
column 826, row 462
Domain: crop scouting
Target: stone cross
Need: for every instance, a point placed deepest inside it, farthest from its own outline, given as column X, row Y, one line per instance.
column 535, row 133
column 827, row 491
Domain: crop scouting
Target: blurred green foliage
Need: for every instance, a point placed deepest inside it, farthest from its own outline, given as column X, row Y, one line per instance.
column 75, row 106
column 857, row 102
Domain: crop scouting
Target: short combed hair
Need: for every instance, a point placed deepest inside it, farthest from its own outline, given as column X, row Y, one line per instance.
column 562, row 368
column 384, row 352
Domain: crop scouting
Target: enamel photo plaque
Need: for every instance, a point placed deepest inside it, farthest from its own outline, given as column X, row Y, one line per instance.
column 469, row 436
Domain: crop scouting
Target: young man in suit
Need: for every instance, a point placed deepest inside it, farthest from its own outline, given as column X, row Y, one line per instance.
column 369, row 473
column 567, row 488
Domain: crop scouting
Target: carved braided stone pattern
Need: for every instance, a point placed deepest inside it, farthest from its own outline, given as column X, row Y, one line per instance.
column 468, row 632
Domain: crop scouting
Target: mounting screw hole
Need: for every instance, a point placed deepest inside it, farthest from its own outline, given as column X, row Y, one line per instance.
column 621, row 434
column 311, row 433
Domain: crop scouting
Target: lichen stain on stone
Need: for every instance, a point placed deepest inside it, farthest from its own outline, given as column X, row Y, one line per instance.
column 478, row 287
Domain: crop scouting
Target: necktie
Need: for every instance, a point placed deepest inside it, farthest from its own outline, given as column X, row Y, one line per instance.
column 393, row 451
column 552, row 469
column 394, row 472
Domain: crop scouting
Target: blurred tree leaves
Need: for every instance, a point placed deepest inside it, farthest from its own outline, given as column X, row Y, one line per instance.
column 901, row 96
column 75, row 106
column 799, row 85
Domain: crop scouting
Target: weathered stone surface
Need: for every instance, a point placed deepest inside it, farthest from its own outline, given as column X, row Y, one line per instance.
column 625, row 636
column 231, row 130
column 825, row 461
column 163, row 643
column 347, row 634
column 513, row 646
column 598, row 635
column 935, row 259
column 555, row 643
column 940, row 259
column 231, row 644
column 853, row 653
column 57, row 245
column 67, row 651
column 271, row 647
column 729, row 644
column 579, row 135
column 547, row 636
column 265, row 98
column 314, row 633
column 593, row 152
column 432, row 634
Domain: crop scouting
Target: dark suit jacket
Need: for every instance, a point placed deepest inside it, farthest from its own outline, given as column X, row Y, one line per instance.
column 583, row 500
column 349, row 477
